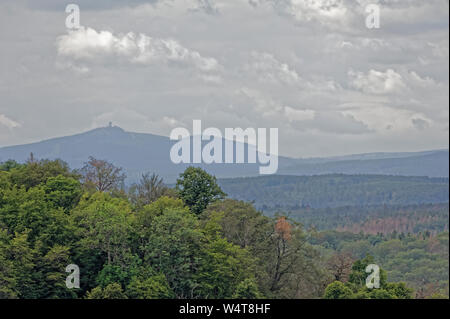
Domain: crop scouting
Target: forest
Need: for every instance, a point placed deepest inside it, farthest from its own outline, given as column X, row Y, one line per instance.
column 151, row 241
column 385, row 219
column 281, row 192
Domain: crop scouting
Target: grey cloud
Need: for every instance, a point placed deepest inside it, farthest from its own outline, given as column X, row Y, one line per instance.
column 273, row 70
column 57, row 5
column 420, row 124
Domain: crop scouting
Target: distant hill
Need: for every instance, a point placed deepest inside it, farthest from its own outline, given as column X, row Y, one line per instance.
column 292, row 193
column 138, row 153
column 432, row 164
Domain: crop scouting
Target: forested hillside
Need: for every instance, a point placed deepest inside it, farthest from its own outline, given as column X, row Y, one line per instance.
column 384, row 219
column 419, row 260
column 150, row 241
column 272, row 193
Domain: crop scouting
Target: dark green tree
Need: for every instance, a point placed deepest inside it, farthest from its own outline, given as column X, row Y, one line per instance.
column 198, row 189
column 338, row 290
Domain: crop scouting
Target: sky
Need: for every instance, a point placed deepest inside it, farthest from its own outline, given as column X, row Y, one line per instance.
column 310, row 68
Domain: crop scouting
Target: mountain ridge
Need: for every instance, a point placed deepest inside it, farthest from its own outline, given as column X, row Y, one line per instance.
column 142, row 152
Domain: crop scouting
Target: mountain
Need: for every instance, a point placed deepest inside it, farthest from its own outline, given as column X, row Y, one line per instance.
column 139, row 152
column 431, row 163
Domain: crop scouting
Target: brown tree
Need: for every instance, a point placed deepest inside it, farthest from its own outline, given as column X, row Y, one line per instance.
column 340, row 266
column 101, row 175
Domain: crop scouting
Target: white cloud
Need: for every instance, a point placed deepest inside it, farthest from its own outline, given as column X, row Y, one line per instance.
column 326, row 13
column 5, row 121
column 88, row 45
column 377, row 82
column 268, row 69
column 385, row 119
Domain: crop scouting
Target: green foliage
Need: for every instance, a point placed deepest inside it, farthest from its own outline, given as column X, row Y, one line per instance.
column 9, row 165
column 35, row 173
column 356, row 287
column 149, row 285
column 291, row 193
column 198, row 189
column 247, row 289
column 419, row 261
column 53, row 273
column 338, row 290
column 223, row 265
column 149, row 244
column 112, row 273
column 358, row 275
column 174, row 247
column 112, row 291
column 105, row 223
column 64, row 192
column 285, row 262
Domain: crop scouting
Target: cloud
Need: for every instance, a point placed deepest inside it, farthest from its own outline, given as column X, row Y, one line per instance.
column 268, row 69
column 298, row 115
column 329, row 14
column 308, row 68
column 5, row 121
column 206, row 6
column 84, row 4
column 384, row 119
column 377, row 82
column 420, row 124
column 349, row 16
column 88, row 45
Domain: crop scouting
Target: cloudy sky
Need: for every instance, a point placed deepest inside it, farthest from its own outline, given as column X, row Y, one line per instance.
column 310, row 68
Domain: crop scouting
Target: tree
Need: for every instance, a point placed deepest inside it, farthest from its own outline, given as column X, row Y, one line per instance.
column 148, row 190
column 9, row 165
column 22, row 258
column 356, row 286
column 340, row 265
column 101, row 175
column 53, row 275
column 64, row 192
column 241, row 224
column 149, row 285
column 288, row 251
column 105, row 223
column 35, row 173
column 359, row 275
column 198, row 189
column 112, row 291
column 223, row 265
column 8, row 282
column 338, row 290
column 174, row 247
column 247, row 289
column 30, row 210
